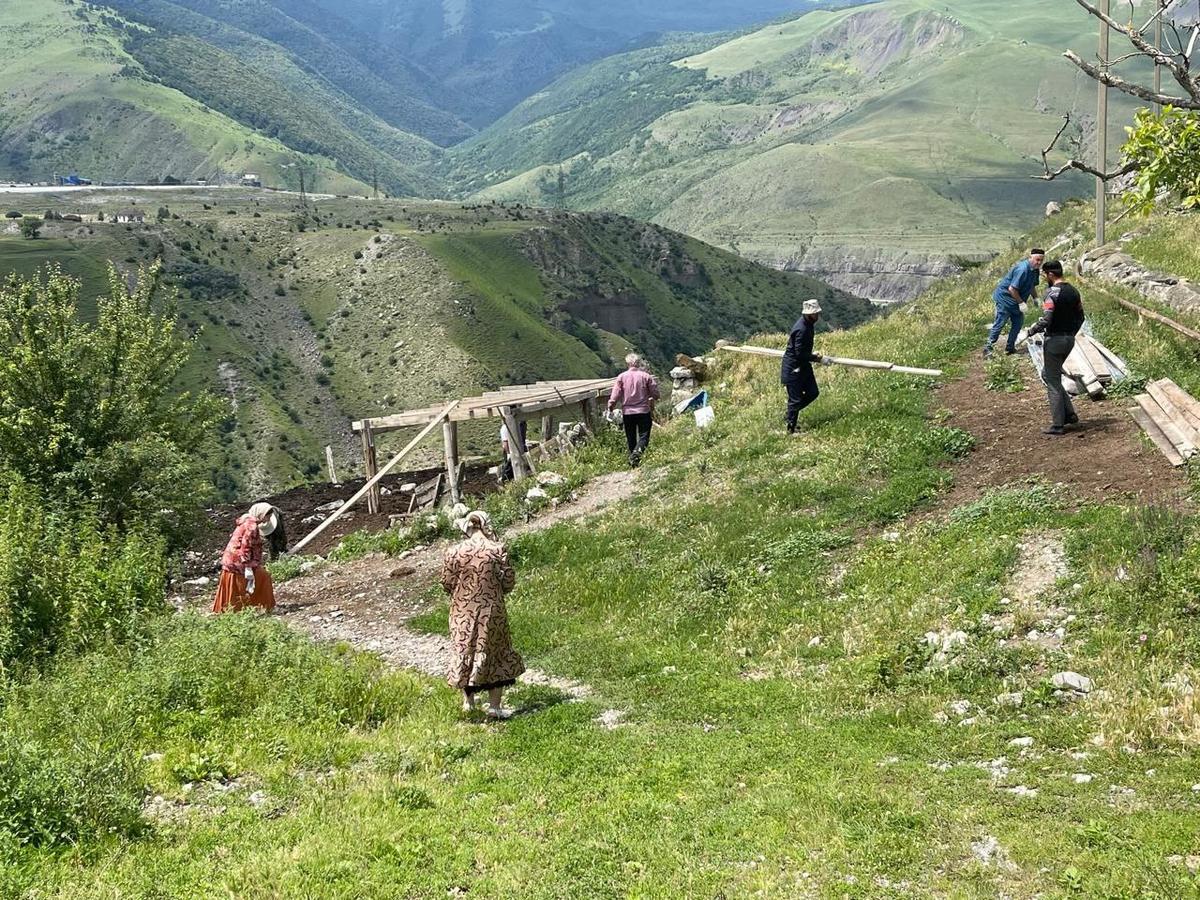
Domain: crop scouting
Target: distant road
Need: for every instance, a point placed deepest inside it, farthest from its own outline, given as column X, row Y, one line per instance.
column 59, row 188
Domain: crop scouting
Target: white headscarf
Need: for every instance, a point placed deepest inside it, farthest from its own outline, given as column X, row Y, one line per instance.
column 267, row 518
column 476, row 520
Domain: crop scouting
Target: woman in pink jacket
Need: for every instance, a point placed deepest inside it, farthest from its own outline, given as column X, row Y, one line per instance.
column 635, row 392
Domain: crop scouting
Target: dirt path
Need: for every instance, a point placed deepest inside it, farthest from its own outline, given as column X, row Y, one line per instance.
column 368, row 602
column 1104, row 458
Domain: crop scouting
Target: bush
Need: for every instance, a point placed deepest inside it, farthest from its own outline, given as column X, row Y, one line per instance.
column 12, row 214
column 92, row 414
column 66, row 582
column 1166, row 150
column 31, row 227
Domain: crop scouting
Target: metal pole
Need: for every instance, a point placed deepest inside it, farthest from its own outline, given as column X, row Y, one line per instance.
column 1158, row 40
column 1102, row 131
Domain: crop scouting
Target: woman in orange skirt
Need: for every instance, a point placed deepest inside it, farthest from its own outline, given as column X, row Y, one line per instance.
column 244, row 580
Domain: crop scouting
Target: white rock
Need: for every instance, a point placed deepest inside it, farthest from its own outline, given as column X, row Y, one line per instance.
column 408, row 487
column 1033, row 635
column 202, row 581
column 1082, row 778
column 1072, row 681
column 1196, row 788
column 257, row 799
column 815, row 642
column 933, row 639
column 891, row 536
column 1021, row 742
column 610, row 719
column 328, row 507
column 550, row 479
column 1016, row 698
column 960, row 707
column 1022, row 791
column 535, row 494
column 987, row 850
column 954, row 639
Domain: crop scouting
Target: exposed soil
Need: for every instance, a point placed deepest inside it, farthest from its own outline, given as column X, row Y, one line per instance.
column 1101, row 458
column 369, row 601
column 300, row 503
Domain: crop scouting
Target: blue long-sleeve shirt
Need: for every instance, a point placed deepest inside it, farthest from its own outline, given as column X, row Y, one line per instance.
column 1023, row 276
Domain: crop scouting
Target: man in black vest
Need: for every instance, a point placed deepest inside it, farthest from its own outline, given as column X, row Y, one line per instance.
column 1062, row 317
column 797, row 371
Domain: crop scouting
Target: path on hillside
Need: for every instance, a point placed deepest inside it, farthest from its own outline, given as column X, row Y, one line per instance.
column 368, row 602
column 1102, row 459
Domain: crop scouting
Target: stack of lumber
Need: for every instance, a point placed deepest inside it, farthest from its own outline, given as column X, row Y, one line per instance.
column 1170, row 416
column 1089, row 369
column 1092, row 367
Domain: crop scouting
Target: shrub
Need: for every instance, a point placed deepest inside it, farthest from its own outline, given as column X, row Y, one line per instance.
column 1166, row 150
column 12, row 214
column 31, row 227
column 91, row 413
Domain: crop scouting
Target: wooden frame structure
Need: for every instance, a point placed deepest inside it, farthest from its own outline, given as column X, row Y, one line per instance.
column 511, row 405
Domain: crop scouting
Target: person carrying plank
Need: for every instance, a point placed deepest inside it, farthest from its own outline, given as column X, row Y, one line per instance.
column 636, row 392
column 1015, row 288
column 796, row 373
column 1062, row 317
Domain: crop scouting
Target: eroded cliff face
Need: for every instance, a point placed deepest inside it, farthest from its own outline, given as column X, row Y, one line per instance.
column 882, row 276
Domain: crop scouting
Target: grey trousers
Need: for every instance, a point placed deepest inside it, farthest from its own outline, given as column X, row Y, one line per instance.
column 1055, row 351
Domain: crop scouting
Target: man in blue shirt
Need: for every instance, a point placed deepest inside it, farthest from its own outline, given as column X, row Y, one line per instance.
column 1014, row 289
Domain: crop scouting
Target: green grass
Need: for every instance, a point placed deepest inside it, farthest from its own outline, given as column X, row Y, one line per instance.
column 754, row 759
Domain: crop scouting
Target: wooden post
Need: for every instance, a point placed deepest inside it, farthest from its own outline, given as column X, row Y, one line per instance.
column 333, row 479
column 1102, row 132
column 591, row 415
column 516, row 447
column 450, row 439
column 547, row 428
column 362, row 491
column 370, row 466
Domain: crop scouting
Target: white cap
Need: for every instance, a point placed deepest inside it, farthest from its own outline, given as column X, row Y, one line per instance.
column 812, row 307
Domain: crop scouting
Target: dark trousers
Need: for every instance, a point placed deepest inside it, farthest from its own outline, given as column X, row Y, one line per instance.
column 1055, row 350
column 637, row 432
column 801, row 391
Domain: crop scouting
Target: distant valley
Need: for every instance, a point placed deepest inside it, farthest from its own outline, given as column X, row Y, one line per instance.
column 309, row 316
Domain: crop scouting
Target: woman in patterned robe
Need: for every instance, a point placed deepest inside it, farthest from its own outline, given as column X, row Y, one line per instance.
column 244, row 580
column 477, row 574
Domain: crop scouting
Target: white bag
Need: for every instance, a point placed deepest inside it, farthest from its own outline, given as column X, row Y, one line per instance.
column 705, row 416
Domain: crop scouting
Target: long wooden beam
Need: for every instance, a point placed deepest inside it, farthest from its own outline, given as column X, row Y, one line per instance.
column 481, row 408
column 843, row 361
column 1160, row 318
column 362, row 492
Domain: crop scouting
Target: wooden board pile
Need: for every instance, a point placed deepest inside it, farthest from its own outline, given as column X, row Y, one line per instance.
column 1092, row 366
column 1170, row 416
column 1089, row 369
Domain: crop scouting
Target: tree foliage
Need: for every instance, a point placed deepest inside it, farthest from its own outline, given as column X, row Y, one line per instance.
column 92, row 413
column 30, row 227
column 1165, row 149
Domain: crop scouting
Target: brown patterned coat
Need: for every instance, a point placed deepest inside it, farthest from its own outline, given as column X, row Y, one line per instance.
column 477, row 574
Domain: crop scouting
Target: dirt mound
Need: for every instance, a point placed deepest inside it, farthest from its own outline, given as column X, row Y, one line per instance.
column 1102, row 458
column 300, row 503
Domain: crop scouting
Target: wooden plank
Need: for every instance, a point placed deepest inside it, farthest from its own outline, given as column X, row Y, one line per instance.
column 1160, row 318
column 843, row 361
column 370, row 467
column 370, row 484
column 1165, row 425
column 450, row 443
column 1094, row 357
column 516, row 450
column 1116, row 365
column 1078, row 366
column 1182, row 400
column 333, row 479
column 426, row 494
column 1160, row 440
column 1173, row 413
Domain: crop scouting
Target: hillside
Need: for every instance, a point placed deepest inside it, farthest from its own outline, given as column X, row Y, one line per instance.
column 306, row 319
column 870, row 145
column 806, row 667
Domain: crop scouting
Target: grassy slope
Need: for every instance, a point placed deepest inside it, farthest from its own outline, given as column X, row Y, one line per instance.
column 892, row 98
column 443, row 301
column 74, row 104
column 753, row 761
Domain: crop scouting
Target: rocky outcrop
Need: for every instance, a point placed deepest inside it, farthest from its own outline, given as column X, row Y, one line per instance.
column 882, row 276
column 1112, row 263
